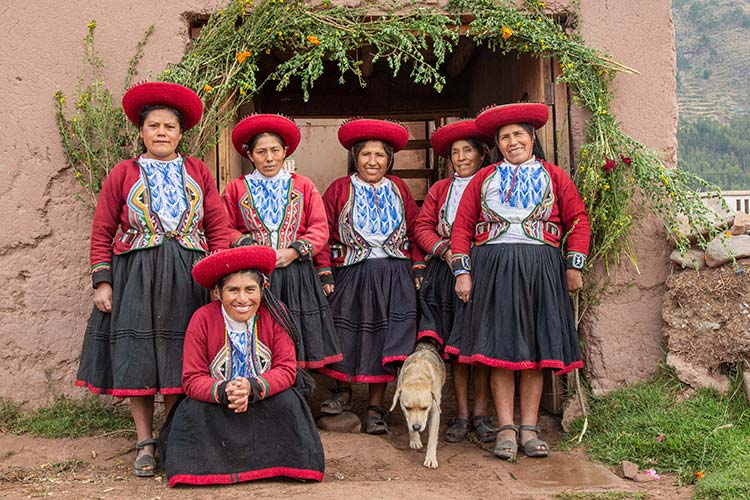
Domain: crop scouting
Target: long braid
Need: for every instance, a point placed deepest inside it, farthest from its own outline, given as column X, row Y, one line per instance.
column 280, row 313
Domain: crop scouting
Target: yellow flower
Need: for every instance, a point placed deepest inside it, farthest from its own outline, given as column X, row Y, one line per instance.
column 241, row 56
column 540, row 4
column 79, row 175
column 507, row 32
column 207, row 88
column 313, row 39
column 75, row 119
column 281, row 34
column 92, row 24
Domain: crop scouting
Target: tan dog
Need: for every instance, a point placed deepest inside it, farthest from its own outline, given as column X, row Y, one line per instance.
column 419, row 389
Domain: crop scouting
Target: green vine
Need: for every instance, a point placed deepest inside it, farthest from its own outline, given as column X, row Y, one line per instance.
column 223, row 67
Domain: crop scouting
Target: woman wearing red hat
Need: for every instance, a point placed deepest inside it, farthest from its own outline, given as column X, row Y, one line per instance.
column 285, row 211
column 466, row 147
column 242, row 419
column 515, row 280
column 156, row 215
column 371, row 216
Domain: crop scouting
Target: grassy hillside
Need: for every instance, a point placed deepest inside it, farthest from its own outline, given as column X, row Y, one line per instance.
column 713, row 89
column 713, row 71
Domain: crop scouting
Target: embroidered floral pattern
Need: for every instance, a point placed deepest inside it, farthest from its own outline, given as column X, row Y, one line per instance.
column 166, row 188
column 377, row 210
column 146, row 228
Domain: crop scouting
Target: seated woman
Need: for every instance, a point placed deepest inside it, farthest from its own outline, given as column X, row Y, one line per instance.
column 243, row 419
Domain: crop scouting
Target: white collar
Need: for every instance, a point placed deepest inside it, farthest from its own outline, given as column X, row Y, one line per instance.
column 360, row 182
column 281, row 175
column 234, row 325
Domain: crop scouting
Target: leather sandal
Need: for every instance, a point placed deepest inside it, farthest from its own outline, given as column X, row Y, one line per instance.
column 376, row 425
column 340, row 401
column 507, row 448
column 483, row 428
column 534, row 447
column 145, row 465
column 457, row 430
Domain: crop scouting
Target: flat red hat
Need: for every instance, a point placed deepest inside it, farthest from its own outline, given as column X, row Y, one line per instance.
column 495, row 117
column 173, row 95
column 444, row 137
column 364, row 129
column 253, row 125
column 209, row 270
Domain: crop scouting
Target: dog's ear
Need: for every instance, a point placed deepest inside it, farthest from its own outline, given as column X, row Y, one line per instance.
column 395, row 398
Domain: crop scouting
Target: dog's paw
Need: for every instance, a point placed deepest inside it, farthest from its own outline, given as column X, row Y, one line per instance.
column 430, row 462
column 415, row 442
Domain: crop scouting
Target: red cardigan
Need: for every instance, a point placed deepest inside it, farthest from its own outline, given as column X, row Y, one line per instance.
column 431, row 229
column 206, row 336
column 401, row 244
column 124, row 204
column 304, row 226
column 476, row 224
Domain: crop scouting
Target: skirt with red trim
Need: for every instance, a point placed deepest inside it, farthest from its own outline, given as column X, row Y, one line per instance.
column 520, row 315
column 299, row 288
column 374, row 306
column 207, row 443
column 136, row 350
column 438, row 303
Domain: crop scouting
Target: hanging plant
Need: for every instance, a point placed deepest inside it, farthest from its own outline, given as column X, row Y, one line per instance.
column 223, row 67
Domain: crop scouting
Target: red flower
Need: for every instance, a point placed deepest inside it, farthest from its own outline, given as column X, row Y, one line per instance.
column 626, row 160
column 608, row 165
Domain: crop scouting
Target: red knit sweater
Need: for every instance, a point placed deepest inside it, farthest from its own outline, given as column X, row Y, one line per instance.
column 476, row 224
column 337, row 200
column 124, row 205
column 205, row 337
column 304, row 226
column 431, row 230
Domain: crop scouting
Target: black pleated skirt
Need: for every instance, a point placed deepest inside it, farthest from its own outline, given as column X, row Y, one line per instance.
column 520, row 315
column 206, row 443
column 374, row 306
column 299, row 288
column 136, row 350
column 438, row 304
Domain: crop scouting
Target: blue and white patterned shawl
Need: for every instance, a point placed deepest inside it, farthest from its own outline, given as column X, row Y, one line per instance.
column 166, row 187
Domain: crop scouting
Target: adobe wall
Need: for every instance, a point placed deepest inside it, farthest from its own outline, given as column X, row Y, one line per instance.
column 45, row 294
column 623, row 341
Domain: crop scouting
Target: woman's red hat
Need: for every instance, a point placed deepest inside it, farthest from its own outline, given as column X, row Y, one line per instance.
column 208, row 271
column 364, row 129
column 444, row 137
column 495, row 117
column 169, row 94
column 253, row 125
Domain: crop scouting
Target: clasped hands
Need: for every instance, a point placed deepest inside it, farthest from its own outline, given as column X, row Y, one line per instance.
column 238, row 392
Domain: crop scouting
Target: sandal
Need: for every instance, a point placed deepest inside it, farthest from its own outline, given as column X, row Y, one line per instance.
column 457, row 430
column 145, row 465
column 376, row 425
column 534, row 447
column 340, row 401
column 483, row 428
column 507, row 448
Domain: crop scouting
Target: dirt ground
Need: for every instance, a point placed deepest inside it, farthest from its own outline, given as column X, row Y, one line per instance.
column 357, row 466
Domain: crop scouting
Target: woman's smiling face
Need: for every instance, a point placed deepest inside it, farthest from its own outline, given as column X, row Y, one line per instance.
column 240, row 294
column 515, row 143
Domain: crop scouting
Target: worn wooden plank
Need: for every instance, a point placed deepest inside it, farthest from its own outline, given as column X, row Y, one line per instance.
column 461, row 57
column 414, row 173
column 563, row 153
